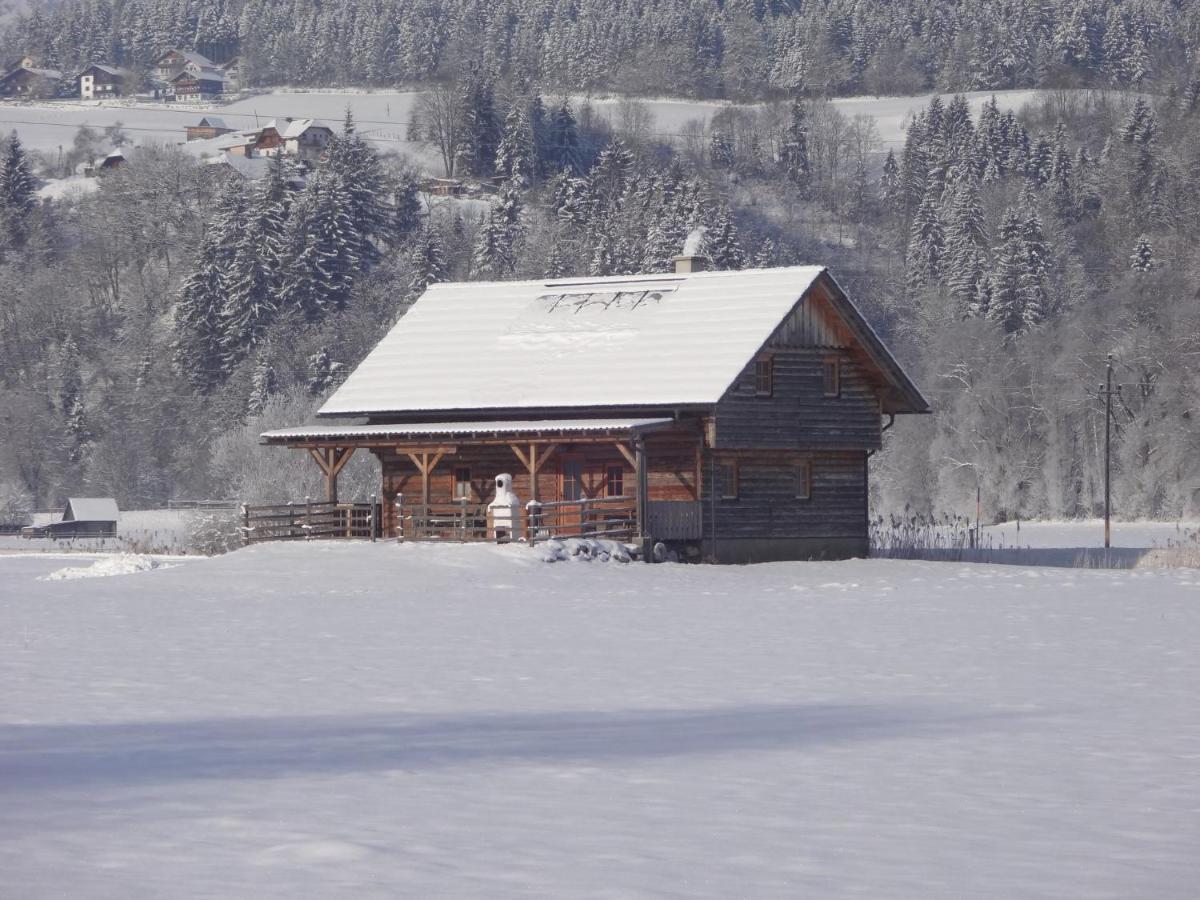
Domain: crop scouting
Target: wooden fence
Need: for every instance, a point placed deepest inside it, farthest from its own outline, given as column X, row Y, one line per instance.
column 310, row 521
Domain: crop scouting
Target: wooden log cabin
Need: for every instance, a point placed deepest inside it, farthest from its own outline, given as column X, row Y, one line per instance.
column 735, row 412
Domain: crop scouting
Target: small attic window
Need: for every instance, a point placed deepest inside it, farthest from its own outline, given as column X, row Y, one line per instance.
column 764, row 376
column 833, row 376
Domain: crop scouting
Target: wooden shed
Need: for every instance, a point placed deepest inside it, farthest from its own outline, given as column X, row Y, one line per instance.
column 732, row 413
column 86, row 517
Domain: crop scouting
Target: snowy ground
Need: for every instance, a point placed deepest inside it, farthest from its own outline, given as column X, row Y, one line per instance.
column 384, row 116
column 140, row 530
column 378, row 720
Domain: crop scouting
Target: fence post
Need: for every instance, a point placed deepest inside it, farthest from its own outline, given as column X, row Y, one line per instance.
column 307, row 518
column 533, row 520
column 371, row 519
column 246, row 525
column 399, row 517
column 291, row 523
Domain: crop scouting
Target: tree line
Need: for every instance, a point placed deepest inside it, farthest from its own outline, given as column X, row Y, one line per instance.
column 742, row 49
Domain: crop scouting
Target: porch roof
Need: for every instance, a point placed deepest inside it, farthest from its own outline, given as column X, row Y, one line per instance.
column 351, row 434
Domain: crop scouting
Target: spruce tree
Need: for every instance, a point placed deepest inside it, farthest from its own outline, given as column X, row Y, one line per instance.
column 516, row 158
column 496, row 245
column 263, row 385
column 926, row 246
column 794, row 150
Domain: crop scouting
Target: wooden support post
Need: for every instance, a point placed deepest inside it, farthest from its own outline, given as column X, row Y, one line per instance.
column 533, row 463
column 643, row 488
column 425, row 461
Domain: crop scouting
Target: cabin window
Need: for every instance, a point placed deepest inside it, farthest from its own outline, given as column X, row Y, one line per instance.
column 803, row 475
column 833, row 376
column 616, row 481
column 572, row 479
column 764, row 376
column 462, row 482
column 729, row 479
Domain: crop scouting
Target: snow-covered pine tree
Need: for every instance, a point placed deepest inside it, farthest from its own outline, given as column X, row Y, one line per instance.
column 263, row 385
column 1005, row 299
column 516, row 157
column 427, row 264
column 16, row 192
column 496, row 245
column 891, row 194
column 324, row 373
column 357, row 187
column 564, row 139
column 926, row 245
column 724, row 249
column 1035, row 296
column 793, row 152
column 1142, row 258
column 966, row 237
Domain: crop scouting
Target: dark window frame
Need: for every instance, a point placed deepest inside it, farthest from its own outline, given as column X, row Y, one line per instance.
column 459, row 494
column 764, row 376
column 831, row 376
column 804, row 479
column 618, row 482
column 731, row 485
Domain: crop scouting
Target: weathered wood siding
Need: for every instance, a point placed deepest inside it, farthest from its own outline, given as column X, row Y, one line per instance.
column 671, row 468
column 798, row 415
column 767, row 507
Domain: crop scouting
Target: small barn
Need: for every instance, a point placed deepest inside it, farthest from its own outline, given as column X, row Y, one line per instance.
column 85, row 517
column 729, row 415
column 31, row 83
column 207, row 128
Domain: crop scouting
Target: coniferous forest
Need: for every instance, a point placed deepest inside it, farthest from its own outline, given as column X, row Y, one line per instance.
column 150, row 331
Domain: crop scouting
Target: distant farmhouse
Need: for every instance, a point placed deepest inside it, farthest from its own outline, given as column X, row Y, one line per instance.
column 246, row 152
column 27, row 81
column 98, row 82
column 730, row 415
column 189, row 76
column 207, row 128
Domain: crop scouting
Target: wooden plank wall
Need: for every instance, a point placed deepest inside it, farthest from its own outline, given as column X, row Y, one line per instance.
column 766, row 505
column 798, row 414
column 672, row 461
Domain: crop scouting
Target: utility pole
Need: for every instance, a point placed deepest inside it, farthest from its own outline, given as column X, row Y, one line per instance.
column 1107, row 392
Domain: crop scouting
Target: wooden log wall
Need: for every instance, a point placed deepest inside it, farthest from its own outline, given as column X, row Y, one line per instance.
column 798, row 414
column 672, row 468
column 767, row 507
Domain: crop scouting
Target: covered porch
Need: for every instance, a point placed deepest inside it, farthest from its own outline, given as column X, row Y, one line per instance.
column 624, row 479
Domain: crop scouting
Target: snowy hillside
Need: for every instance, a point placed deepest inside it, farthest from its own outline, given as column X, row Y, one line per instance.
column 374, row 720
column 384, row 115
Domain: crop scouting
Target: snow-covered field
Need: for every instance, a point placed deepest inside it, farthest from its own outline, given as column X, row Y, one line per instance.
column 374, row 720
column 384, row 115
column 142, row 530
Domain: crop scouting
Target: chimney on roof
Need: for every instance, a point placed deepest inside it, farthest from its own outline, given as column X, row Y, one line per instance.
column 692, row 259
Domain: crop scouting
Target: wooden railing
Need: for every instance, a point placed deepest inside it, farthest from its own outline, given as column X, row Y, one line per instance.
column 614, row 518
column 459, row 521
column 309, row 521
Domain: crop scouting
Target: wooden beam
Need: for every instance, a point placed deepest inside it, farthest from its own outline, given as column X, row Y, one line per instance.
column 522, row 457
column 341, row 457
column 319, row 456
column 627, row 453
column 547, row 452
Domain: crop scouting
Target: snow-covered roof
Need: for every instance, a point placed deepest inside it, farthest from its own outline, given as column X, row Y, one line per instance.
column 90, row 509
column 297, row 127
column 188, row 56
column 211, row 122
column 652, row 340
column 250, row 168
column 111, row 70
column 449, row 429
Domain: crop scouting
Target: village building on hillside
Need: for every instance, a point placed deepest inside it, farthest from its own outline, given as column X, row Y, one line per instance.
column 97, row 82
column 208, row 128
column 27, row 81
column 189, row 87
column 173, row 62
column 726, row 415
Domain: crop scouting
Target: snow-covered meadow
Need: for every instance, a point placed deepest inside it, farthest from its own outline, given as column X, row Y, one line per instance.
column 375, row 720
column 383, row 116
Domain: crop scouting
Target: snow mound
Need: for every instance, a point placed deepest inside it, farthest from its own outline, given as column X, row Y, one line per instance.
column 588, row 550
column 117, row 564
